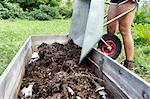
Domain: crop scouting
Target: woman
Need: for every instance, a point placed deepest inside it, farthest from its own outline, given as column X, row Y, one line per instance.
column 124, row 26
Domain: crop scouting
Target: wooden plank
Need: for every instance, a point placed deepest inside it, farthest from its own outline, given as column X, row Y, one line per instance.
column 111, row 88
column 131, row 84
column 11, row 78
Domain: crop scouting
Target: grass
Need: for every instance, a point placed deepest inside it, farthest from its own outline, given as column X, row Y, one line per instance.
column 141, row 38
column 142, row 50
column 13, row 33
column 141, row 59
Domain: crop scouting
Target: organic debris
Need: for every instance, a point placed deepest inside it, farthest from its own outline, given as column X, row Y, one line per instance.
column 57, row 75
column 27, row 92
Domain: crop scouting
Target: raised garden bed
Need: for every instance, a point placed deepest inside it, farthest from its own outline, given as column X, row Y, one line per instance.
column 119, row 82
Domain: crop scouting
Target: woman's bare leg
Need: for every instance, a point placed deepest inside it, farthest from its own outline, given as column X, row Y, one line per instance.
column 125, row 29
column 112, row 13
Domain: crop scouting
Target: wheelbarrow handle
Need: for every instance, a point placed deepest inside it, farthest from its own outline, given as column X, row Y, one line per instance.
column 121, row 15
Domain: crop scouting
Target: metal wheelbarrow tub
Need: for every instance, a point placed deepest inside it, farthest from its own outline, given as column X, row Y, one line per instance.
column 120, row 82
column 87, row 24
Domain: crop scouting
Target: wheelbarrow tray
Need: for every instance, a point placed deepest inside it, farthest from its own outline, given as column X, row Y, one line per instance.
column 119, row 81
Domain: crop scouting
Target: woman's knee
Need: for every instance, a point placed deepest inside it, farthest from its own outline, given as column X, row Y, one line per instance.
column 124, row 29
column 111, row 28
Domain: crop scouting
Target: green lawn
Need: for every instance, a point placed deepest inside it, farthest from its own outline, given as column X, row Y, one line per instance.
column 141, row 59
column 13, row 33
column 141, row 36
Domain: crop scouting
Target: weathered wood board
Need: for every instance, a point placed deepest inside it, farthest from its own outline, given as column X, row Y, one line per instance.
column 117, row 77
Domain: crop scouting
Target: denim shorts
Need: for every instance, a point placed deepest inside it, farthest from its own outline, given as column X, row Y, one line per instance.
column 121, row 1
column 117, row 1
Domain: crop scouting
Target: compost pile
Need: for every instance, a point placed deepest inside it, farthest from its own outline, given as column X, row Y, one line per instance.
column 57, row 75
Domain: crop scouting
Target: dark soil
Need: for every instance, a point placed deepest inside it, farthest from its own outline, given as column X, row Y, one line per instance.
column 56, row 70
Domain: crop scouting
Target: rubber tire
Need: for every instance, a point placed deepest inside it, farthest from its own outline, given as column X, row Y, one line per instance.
column 116, row 40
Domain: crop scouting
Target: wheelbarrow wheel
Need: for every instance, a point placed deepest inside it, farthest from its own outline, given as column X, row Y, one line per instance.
column 114, row 43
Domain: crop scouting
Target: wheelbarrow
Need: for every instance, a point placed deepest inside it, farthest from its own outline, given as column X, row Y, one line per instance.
column 87, row 28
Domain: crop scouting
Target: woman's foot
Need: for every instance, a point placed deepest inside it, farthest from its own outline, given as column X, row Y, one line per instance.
column 128, row 64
